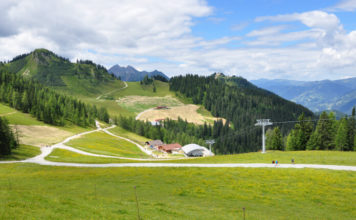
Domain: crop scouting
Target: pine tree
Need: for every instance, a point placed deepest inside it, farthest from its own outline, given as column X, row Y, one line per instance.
column 292, row 140
column 7, row 138
column 304, row 130
column 269, row 134
column 277, row 140
column 323, row 137
column 341, row 139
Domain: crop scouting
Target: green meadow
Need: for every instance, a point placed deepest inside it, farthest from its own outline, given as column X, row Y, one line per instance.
column 102, row 143
column 22, row 152
column 29, row 191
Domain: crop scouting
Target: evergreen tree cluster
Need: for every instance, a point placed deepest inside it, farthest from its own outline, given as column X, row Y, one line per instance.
column 171, row 132
column 45, row 104
column 160, row 78
column 274, row 139
column 227, row 141
column 329, row 134
column 8, row 140
column 147, row 80
column 241, row 103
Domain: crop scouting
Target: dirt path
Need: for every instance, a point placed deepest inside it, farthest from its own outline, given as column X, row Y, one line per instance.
column 99, row 97
column 9, row 113
column 45, row 151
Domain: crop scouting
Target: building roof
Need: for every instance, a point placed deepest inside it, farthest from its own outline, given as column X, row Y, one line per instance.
column 191, row 147
column 155, row 123
column 168, row 147
column 155, row 142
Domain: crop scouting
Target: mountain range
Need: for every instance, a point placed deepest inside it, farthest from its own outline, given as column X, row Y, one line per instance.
column 131, row 74
column 322, row 95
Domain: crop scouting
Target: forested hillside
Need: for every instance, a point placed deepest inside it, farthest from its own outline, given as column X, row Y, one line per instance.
column 80, row 78
column 241, row 103
column 29, row 96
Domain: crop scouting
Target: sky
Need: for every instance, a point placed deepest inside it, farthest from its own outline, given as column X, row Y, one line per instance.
column 272, row 39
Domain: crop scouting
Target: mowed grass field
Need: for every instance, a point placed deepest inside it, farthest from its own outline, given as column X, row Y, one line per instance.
column 29, row 191
column 102, row 143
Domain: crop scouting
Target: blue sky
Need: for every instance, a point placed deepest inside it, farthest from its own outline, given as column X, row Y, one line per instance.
column 301, row 40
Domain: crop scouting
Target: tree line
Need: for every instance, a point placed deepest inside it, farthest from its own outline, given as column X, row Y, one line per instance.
column 327, row 134
column 45, row 104
column 179, row 131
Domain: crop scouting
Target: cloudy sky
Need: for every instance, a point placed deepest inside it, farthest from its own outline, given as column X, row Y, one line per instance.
column 301, row 40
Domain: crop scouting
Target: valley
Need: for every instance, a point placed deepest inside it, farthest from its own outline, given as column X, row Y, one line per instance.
column 61, row 165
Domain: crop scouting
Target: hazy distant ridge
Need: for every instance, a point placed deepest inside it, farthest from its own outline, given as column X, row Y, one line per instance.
column 316, row 95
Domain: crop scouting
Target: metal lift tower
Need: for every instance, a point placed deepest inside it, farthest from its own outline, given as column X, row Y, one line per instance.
column 210, row 142
column 263, row 123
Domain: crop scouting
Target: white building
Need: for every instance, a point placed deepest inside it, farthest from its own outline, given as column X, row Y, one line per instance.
column 194, row 150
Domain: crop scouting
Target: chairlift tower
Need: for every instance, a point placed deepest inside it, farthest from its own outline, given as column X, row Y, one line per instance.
column 210, row 142
column 263, row 123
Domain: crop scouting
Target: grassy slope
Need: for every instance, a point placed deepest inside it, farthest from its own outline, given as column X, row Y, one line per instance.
column 102, row 143
column 135, row 88
column 130, row 135
column 22, row 152
column 43, row 192
column 19, row 118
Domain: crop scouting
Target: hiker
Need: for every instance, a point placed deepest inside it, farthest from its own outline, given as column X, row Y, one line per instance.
column 292, row 161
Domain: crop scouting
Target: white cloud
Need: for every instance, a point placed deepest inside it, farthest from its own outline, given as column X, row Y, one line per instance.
column 126, row 26
column 155, row 34
column 239, row 26
column 266, row 31
column 345, row 5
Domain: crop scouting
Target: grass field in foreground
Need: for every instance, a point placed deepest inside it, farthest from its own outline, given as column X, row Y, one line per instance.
column 301, row 157
column 22, row 152
column 102, row 143
column 44, row 192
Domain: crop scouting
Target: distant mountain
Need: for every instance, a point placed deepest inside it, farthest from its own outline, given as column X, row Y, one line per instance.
column 322, row 95
column 81, row 78
column 129, row 73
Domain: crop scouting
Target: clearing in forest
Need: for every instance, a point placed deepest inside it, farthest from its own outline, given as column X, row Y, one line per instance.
column 140, row 103
column 186, row 112
column 40, row 135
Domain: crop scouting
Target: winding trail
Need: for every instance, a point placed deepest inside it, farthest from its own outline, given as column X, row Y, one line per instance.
column 9, row 113
column 139, row 114
column 99, row 97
